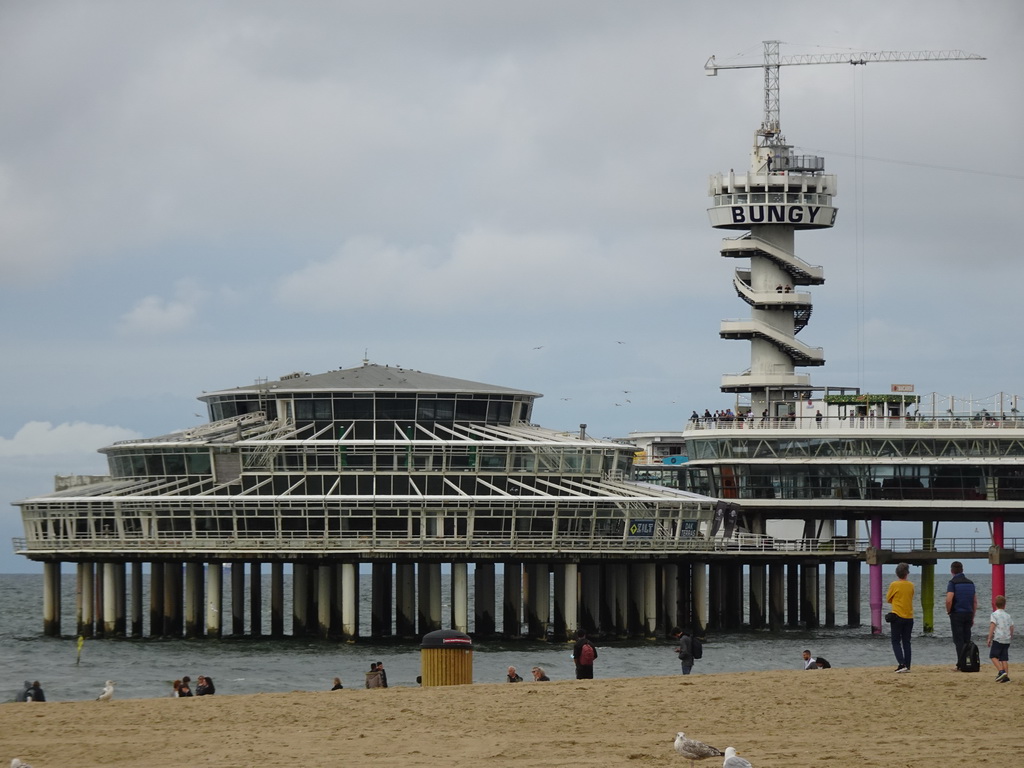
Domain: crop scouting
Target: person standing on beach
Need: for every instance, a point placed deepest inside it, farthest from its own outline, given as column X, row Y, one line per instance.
column 901, row 597
column 373, row 676
column 583, row 655
column 685, row 650
column 961, row 605
column 1000, row 633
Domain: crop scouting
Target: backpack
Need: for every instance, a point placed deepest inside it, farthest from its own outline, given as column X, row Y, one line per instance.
column 970, row 659
column 587, row 655
column 696, row 647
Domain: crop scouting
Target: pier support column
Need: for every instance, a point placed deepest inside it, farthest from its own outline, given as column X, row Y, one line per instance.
column 120, row 600
column 109, row 599
column 733, row 595
column 649, row 573
column 214, row 599
column 809, row 594
column 669, row 598
column 300, row 599
column 485, row 623
column 460, row 597
column 255, row 598
column 685, row 604
column 51, row 599
column 792, row 594
column 998, row 567
column 716, row 596
column 538, row 611
column 137, row 599
column 380, row 600
column 776, row 596
column 238, row 598
column 875, row 578
column 86, row 586
column 349, row 601
column 429, row 577
column 277, row 599
column 156, row 599
column 590, row 604
column 566, row 601
column 193, row 599
column 405, row 600
column 173, row 611
column 324, row 599
column 853, row 593
column 928, row 580
column 512, row 601
column 699, row 589
column 830, row 594
column 758, row 572
column 98, row 597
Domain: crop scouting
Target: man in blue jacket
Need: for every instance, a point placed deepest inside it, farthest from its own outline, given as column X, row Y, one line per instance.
column 961, row 605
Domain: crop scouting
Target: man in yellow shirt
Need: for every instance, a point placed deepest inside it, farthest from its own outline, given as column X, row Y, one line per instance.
column 901, row 597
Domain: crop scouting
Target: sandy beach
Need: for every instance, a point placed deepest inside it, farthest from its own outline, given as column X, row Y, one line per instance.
column 842, row 717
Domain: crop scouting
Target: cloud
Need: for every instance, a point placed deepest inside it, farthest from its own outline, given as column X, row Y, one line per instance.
column 153, row 315
column 42, row 438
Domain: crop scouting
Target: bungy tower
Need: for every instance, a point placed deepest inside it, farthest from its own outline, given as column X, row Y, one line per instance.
column 779, row 194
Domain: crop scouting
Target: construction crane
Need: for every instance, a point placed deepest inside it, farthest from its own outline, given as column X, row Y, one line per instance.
column 770, row 129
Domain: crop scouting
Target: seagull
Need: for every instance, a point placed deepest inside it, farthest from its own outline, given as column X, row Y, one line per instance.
column 732, row 760
column 16, row 763
column 694, row 750
column 108, row 692
column 540, row 347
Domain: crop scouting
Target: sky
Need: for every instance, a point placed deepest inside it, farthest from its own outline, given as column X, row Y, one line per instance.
column 196, row 195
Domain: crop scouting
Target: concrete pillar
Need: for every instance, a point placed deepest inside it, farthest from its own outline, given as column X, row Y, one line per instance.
column 173, row 610
column 670, row 598
column 214, row 599
column 809, row 608
column 512, row 601
column 460, row 597
column 830, row 593
column 853, row 593
column 300, row 599
column 649, row 571
column 758, row 572
column 875, row 578
column 120, row 600
column 776, row 596
column 109, row 599
column 927, row 586
column 685, row 603
column 590, row 602
column 538, row 601
column 699, row 582
column 635, row 599
column 193, row 599
column 86, row 586
column 792, row 594
column 609, row 604
column 734, row 597
column 349, row 601
column 156, row 599
column 998, row 568
column 277, row 599
column 98, row 598
column 256, row 598
column 238, row 598
column 380, row 600
column 485, row 622
column 566, row 601
column 716, row 592
column 429, row 577
column 51, row 599
column 405, row 600
column 324, row 599
column 621, row 571
column 137, row 599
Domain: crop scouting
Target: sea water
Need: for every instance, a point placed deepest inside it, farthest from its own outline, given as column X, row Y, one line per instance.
column 145, row 667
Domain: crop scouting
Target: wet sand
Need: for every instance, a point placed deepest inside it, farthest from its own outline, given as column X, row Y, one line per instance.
column 933, row 716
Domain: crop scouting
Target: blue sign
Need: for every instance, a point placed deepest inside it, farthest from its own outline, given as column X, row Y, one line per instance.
column 675, row 459
column 641, row 529
column 688, row 530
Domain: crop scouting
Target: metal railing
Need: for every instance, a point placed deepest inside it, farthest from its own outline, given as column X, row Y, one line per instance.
column 834, row 423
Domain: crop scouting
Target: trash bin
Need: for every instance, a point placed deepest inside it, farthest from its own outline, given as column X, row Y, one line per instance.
column 446, row 658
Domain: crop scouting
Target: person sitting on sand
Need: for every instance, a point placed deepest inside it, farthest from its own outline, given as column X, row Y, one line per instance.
column 35, row 692
column 373, row 676
column 513, row 676
column 205, row 686
column 337, row 684
column 185, row 689
column 822, row 663
column 539, row 676
column 176, row 689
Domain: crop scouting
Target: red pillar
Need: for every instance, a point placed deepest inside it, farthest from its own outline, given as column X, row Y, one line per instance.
column 998, row 571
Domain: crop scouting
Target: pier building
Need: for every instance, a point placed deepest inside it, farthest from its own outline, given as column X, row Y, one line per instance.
column 394, row 470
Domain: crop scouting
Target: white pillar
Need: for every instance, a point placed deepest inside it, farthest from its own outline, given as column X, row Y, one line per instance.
column 349, row 602
column 214, row 597
column 323, row 599
column 109, row 599
column 650, row 573
column 86, row 585
column 699, row 580
column 460, row 597
column 51, row 599
column 570, row 598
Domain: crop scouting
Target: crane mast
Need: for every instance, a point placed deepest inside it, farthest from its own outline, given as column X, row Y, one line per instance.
column 771, row 129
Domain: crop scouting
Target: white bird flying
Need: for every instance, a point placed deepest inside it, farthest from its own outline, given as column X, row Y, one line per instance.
column 108, row 692
column 732, row 760
column 695, row 750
